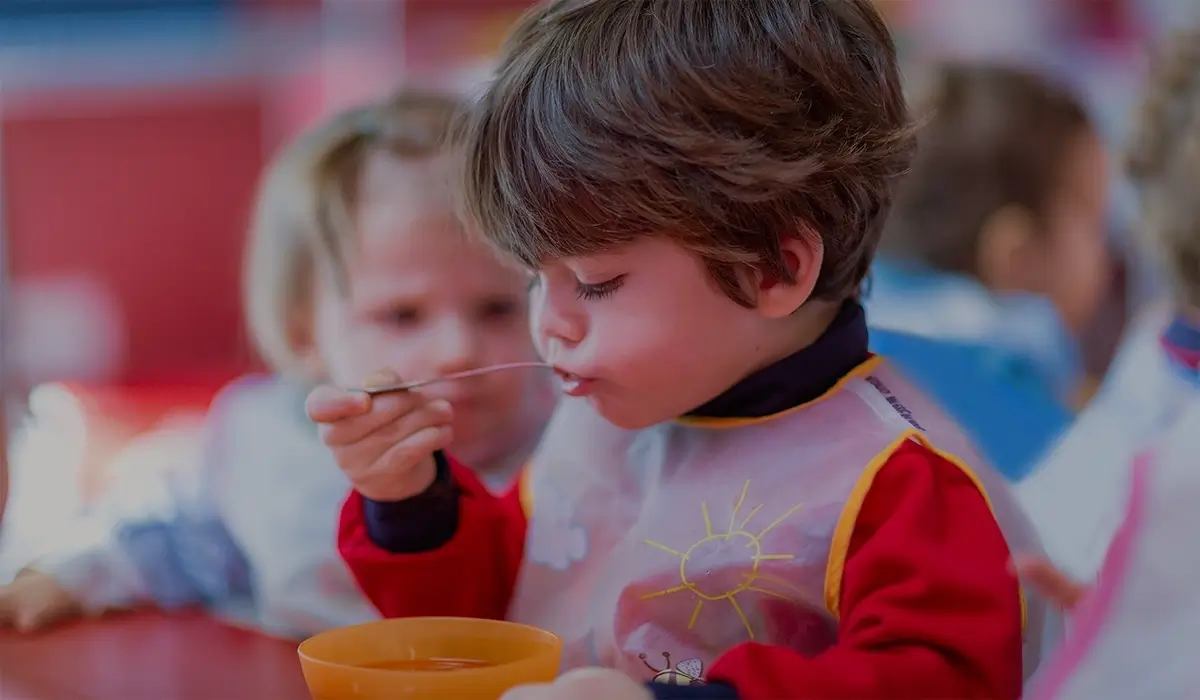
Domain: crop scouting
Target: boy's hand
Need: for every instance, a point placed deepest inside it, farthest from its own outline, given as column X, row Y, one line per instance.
column 584, row 684
column 34, row 600
column 1049, row 582
column 385, row 444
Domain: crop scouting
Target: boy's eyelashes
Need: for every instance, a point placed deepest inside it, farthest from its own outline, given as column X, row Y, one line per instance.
column 584, row 290
column 599, row 290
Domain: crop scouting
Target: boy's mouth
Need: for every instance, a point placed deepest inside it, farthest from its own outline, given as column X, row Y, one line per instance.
column 573, row 384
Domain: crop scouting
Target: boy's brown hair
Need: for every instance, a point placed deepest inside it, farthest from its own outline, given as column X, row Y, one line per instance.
column 1163, row 161
column 991, row 137
column 727, row 126
column 305, row 210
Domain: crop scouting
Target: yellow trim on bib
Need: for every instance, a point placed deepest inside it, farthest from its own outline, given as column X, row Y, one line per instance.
column 861, row 370
column 525, row 491
column 836, row 565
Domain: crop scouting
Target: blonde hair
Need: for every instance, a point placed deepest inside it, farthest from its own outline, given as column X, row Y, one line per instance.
column 1163, row 161
column 304, row 211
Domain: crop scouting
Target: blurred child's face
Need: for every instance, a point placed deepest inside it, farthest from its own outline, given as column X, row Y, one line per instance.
column 424, row 301
column 644, row 330
column 1077, row 268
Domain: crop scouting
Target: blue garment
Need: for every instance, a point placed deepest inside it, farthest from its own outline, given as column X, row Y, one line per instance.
column 908, row 298
column 240, row 517
column 1181, row 343
column 999, row 399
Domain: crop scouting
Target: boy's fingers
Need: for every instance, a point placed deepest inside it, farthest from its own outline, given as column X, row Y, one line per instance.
column 382, row 377
column 398, row 416
column 433, row 414
column 1039, row 571
column 396, row 473
column 423, row 442
column 1049, row 581
column 38, row 617
column 1056, row 587
column 328, row 404
column 28, row 620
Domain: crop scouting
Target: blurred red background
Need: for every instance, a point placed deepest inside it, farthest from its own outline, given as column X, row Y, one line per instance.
column 143, row 187
column 147, row 192
column 146, row 189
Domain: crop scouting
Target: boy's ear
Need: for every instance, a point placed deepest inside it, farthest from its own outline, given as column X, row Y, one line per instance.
column 313, row 367
column 1005, row 255
column 303, row 342
column 804, row 255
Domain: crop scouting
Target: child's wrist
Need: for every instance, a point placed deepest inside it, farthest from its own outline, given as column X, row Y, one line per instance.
column 401, row 487
column 424, row 476
column 420, row 523
column 419, row 480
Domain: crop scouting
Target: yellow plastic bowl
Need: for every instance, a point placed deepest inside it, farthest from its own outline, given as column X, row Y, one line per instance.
column 418, row 658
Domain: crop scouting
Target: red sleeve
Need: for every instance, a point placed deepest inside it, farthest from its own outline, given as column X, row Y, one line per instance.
column 928, row 606
column 472, row 575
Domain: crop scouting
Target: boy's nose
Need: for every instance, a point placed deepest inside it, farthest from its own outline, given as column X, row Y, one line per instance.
column 457, row 348
column 552, row 327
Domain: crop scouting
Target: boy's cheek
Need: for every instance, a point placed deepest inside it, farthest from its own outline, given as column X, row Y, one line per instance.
column 539, row 340
column 539, row 347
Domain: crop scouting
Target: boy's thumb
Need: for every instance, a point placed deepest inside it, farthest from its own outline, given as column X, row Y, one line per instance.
column 327, row 404
column 381, row 377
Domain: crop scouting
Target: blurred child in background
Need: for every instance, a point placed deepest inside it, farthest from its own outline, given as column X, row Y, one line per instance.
column 1075, row 498
column 355, row 261
column 996, row 249
column 1129, row 575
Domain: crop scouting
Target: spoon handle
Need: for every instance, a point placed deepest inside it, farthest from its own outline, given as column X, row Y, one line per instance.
column 407, row 386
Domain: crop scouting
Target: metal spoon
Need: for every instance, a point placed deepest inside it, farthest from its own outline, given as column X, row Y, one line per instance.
column 406, row 386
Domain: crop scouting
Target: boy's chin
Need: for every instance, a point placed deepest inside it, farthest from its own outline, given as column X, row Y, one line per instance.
column 625, row 417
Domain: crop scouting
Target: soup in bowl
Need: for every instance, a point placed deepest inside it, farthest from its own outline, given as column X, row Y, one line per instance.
column 428, row 657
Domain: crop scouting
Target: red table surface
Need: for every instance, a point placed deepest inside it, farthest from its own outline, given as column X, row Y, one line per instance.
column 148, row 656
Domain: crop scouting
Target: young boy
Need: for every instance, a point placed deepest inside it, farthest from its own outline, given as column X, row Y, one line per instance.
column 734, row 491
column 354, row 259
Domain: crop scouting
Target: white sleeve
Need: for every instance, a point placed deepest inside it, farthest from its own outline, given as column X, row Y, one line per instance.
column 156, row 537
column 90, row 564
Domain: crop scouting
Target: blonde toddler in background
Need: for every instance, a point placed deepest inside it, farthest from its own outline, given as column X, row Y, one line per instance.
column 355, row 262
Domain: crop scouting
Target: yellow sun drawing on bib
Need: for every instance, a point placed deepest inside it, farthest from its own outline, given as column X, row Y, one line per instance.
column 753, row 580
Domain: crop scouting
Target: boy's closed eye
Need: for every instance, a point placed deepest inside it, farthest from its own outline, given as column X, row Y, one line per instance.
column 598, row 290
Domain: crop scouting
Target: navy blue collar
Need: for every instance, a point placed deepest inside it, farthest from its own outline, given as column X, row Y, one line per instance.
column 800, row 377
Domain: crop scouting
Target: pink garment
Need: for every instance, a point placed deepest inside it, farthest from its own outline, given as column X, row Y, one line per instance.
column 1135, row 633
